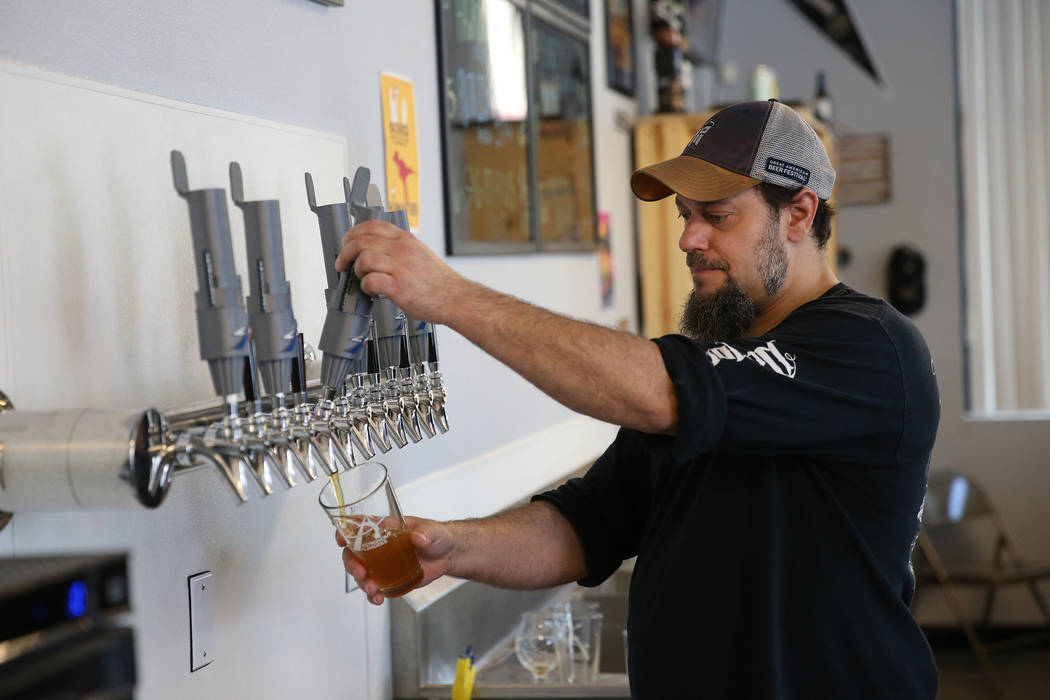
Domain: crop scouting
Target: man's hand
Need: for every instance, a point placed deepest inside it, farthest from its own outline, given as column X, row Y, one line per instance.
column 434, row 546
column 610, row 375
column 396, row 264
column 526, row 547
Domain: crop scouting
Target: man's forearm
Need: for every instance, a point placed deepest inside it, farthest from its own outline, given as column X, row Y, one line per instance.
column 610, row 375
column 530, row 546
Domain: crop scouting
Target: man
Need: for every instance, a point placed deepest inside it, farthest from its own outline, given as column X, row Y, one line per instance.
column 770, row 469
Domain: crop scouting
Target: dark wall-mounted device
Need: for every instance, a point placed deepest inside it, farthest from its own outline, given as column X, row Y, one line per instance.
column 906, row 280
column 55, row 618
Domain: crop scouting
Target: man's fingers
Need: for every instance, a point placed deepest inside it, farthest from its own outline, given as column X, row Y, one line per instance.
column 357, row 242
column 375, row 283
column 375, row 226
column 347, row 254
column 354, row 567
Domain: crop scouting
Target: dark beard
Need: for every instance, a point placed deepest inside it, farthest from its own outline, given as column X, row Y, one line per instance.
column 730, row 312
column 726, row 314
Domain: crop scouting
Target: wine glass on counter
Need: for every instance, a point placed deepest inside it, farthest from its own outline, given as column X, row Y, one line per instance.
column 541, row 644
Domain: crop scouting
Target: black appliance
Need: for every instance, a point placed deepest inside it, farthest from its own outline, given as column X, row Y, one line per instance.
column 56, row 637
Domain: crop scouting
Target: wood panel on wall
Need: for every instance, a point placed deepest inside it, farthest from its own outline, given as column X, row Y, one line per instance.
column 664, row 279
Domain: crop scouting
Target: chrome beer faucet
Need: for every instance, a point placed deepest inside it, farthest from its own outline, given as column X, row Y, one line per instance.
column 345, row 331
column 255, row 439
column 274, row 333
column 388, row 336
column 312, row 453
column 222, row 324
column 379, row 387
column 415, row 390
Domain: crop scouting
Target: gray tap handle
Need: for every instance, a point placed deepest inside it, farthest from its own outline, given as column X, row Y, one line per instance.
column 270, row 300
column 299, row 366
column 334, row 221
column 251, row 376
column 349, row 309
column 418, row 332
column 399, row 218
column 373, row 198
column 390, row 331
column 389, row 319
column 371, row 358
column 357, row 194
column 222, row 321
column 419, row 338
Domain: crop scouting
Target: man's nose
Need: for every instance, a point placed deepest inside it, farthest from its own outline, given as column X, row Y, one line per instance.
column 696, row 236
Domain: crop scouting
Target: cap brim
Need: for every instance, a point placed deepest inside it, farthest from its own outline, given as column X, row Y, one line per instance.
column 690, row 177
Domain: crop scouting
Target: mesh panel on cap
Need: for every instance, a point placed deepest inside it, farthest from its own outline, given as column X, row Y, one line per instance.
column 791, row 143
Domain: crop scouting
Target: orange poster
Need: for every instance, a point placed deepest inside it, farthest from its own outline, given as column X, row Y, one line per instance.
column 402, row 156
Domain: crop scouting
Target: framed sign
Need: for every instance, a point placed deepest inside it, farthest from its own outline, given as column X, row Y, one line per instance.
column 397, row 95
column 619, row 46
column 485, row 127
column 864, row 169
column 517, row 135
column 561, row 103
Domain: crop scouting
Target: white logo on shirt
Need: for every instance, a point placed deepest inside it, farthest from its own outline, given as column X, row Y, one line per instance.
column 766, row 356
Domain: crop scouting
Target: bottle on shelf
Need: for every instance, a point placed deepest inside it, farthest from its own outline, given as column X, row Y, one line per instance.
column 823, row 107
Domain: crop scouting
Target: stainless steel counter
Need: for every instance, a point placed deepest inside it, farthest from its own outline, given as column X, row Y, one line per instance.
column 502, row 676
column 433, row 625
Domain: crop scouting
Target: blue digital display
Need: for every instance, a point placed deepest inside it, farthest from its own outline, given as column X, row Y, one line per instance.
column 76, row 600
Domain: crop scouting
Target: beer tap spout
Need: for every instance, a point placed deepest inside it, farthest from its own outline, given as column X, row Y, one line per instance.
column 299, row 448
column 357, row 439
column 266, row 468
column 340, row 455
column 289, row 462
column 361, row 408
column 234, row 467
column 437, row 403
column 319, row 449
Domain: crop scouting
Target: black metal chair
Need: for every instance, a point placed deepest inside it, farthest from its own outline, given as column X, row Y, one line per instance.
column 954, row 500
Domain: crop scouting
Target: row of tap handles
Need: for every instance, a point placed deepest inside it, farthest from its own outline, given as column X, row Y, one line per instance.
column 379, row 382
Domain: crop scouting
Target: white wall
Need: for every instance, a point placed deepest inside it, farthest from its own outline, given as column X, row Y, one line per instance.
column 283, row 625
column 912, row 44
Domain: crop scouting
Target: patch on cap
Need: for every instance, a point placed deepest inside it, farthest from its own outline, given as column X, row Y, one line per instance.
column 788, row 170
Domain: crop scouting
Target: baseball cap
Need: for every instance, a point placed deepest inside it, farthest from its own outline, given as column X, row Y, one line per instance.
column 736, row 149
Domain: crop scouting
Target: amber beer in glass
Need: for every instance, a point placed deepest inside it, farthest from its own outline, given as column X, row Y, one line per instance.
column 361, row 503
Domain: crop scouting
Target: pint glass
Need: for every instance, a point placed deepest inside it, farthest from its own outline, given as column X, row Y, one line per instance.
column 361, row 503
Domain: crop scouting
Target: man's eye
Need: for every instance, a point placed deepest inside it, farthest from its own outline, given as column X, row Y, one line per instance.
column 683, row 215
column 716, row 218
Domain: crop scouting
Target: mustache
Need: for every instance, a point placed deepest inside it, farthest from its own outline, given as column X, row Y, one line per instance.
column 695, row 260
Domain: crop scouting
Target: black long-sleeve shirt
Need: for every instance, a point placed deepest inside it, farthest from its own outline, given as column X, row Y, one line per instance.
column 774, row 530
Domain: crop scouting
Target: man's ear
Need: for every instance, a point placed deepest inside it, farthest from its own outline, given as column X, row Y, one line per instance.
column 801, row 211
